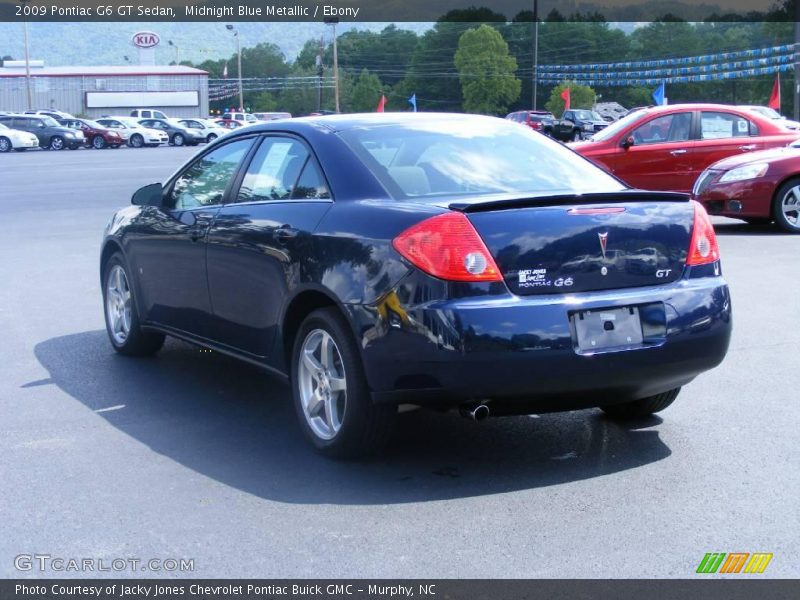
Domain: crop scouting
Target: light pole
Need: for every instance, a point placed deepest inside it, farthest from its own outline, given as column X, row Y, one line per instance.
column 27, row 60
column 239, row 62
column 535, row 51
column 333, row 21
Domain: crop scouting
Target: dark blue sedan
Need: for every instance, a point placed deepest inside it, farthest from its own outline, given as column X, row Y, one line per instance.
column 429, row 259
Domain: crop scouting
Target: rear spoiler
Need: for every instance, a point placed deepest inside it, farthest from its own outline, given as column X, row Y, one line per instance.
column 568, row 199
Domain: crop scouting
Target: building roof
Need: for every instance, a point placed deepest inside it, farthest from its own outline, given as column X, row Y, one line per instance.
column 102, row 71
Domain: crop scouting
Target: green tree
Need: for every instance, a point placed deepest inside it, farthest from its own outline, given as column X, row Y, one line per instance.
column 431, row 72
column 363, row 93
column 486, row 71
column 580, row 96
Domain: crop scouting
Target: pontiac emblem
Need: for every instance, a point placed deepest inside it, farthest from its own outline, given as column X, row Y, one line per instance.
column 603, row 242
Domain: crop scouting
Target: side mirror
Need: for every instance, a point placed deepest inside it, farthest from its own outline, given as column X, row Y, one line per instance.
column 149, row 195
column 627, row 142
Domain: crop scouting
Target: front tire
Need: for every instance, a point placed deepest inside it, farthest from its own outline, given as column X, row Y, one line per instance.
column 642, row 408
column 211, row 137
column 5, row 144
column 331, row 395
column 576, row 136
column 122, row 322
column 786, row 206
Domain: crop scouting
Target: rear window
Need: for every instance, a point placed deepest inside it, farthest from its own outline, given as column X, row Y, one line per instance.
column 472, row 157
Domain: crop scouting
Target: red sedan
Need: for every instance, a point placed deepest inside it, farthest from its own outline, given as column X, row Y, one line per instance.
column 667, row 147
column 757, row 187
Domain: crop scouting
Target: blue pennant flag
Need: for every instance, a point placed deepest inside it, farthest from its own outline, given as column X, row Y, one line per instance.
column 658, row 95
column 413, row 101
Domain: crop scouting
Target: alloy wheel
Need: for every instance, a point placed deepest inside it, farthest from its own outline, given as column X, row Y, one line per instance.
column 322, row 384
column 790, row 206
column 5, row 144
column 56, row 143
column 118, row 304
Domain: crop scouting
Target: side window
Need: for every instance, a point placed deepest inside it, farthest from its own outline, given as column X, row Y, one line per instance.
column 274, row 171
column 147, row 114
column 204, row 183
column 568, row 116
column 664, row 129
column 718, row 125
column 311, row 185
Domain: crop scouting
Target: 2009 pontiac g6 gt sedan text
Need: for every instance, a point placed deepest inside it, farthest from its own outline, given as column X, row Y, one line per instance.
column 437, row 260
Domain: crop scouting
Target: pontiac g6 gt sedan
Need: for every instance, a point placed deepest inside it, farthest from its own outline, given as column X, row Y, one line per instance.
column 437, row 260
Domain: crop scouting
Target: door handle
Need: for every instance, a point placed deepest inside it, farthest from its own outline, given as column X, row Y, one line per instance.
column 202, row 221
column 677, row 152
column 747, row 147
column 285, row 233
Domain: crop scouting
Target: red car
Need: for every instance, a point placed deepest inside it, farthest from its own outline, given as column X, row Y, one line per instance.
column 758, row 187
column 538, row 120
column 96, row 135
column 229, row 123
column 667, row 147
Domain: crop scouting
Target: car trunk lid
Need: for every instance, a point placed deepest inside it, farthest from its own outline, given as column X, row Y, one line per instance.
column 575, row 243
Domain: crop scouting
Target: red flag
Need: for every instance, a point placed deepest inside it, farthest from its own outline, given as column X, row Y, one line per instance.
column 382, row 103
column 775, row 96
column 565, row 97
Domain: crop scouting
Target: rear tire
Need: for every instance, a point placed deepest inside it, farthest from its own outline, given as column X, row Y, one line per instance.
column 56, row 143
column 122, row 321
column 786, row 206
column 331, row 396
column 98, row 142
column 642, row 408
column 136, row 141
column 178, row 140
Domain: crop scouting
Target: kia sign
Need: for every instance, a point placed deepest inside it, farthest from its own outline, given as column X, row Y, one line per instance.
column 145, row 39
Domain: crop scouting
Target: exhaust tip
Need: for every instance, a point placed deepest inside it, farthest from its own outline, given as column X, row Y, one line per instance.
column 479, row 412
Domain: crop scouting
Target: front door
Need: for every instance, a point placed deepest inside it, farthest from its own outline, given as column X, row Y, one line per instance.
column 168, row 249
column 660, row 157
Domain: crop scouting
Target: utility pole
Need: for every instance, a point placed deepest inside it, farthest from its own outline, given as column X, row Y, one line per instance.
column 535, row 75
column 333, row 21
column 27, row 67
column 239, row 62
column 320, row 72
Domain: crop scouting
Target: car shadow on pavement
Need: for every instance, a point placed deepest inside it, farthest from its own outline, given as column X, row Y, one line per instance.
column 231, row 422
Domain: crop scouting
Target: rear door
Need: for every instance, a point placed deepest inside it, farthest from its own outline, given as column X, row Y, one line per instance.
column 661, row 155
column 257, row 242
column 722, row 134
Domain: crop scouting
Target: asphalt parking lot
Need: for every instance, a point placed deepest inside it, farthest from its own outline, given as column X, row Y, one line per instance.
column 193, row 455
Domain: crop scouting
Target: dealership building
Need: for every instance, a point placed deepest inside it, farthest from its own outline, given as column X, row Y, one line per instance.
column 95, row 91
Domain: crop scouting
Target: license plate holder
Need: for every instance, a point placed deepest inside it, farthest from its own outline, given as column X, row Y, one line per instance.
column 607, row 329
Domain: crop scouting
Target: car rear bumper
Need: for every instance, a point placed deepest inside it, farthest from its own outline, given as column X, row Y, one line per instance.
column 521, row 352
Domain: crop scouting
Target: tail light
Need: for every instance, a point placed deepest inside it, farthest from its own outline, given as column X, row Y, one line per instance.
column 703, row 248
column 536, row 124
column 448, row 247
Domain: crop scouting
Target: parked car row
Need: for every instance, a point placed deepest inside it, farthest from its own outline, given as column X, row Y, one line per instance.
column 54, row 130
column 573, row 126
